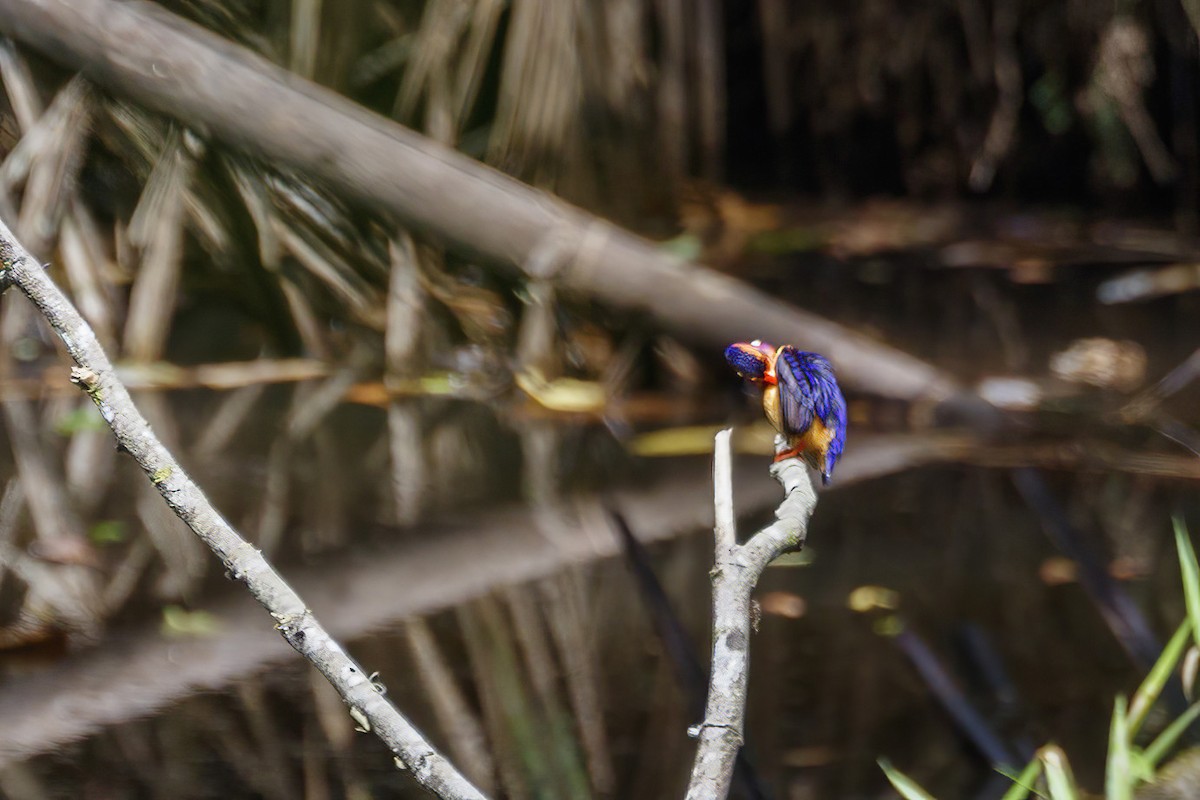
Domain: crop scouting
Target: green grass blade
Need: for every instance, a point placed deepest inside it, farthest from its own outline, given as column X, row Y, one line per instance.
column 1059, row 781
column 1140, row 770
column 1191, row 575
column 1146, row 695
column 1118, row 775
column 1023, row 784
column 1162, row 745
column 906, row 786
column 1187, row 671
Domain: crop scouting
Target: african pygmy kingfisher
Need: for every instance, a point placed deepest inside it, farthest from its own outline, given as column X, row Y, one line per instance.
column 801, row 398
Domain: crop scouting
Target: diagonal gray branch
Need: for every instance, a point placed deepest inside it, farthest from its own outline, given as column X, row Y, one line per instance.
column 144, row 53
column 738, row 568
column 243, row 561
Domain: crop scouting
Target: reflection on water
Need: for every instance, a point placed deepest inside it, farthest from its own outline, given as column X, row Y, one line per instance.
column 461, row 548
column 517, row 638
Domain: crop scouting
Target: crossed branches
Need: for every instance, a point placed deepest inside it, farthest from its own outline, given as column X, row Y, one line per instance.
column 735, row 574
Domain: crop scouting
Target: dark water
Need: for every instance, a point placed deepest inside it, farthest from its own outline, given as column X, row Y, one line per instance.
column 507, row 625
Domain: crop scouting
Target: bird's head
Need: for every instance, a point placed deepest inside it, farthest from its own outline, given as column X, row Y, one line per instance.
column 753, row 361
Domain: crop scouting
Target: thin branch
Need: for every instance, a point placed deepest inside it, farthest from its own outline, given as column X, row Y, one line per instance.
column 294, row 621
column 734, row 577
column 725, row 526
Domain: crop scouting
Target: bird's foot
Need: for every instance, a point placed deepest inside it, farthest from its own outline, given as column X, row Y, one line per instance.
column 786, row 454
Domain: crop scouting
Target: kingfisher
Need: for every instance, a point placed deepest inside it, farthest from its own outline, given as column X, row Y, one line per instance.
column 801, row 399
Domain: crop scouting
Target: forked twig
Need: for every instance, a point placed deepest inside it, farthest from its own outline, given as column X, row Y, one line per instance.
column 734, row 576
column 243, row 561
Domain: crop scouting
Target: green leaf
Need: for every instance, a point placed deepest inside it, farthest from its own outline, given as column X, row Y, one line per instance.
column 795, row 558
column 906, row 786
column 789, row 240
column 1059, row 781
column 1191, row 575
column 1140, row 768
column 1050, row 97
column 1146, row 695
column 108, row 531
column 1118, row 775
column 891, row 625
column 686, row 246
column 688, row 440
column 178, row 621
column 1188, row 669
column 1023, row 782
column 84, row 418
column 1162, row 745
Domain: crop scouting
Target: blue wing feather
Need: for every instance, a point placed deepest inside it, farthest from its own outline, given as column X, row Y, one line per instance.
column 796, row 392
column 808, row 390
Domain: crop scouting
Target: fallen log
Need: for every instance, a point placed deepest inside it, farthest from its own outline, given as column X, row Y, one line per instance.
column 140, row 51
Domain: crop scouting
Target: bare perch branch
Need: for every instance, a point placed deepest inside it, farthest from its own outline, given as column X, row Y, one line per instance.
column 95, row 375
column 173, row 66
column 737, row 570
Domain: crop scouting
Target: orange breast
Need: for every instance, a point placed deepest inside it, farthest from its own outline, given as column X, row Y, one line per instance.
column 771, row 407
column 816, row 439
